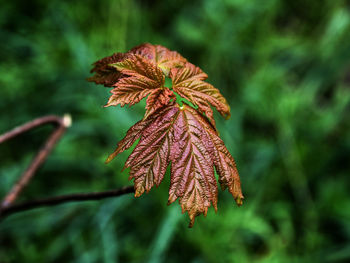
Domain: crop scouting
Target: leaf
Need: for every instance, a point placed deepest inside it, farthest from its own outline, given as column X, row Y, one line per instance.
column 160, row 56
column 181, row 136
column 106, row 74
column 141, row 78
column 184, row 137
column 224, row 163
column 150, row 158
column 132, row 135
column 192, row 173
column 188, row 83
column 158, row 99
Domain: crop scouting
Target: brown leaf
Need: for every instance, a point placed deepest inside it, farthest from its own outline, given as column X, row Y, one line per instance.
column 224, row 163
column 192, row 173
column 188, row 83
column 169, row 133
column 184, row 137
column 150, row 158
column 141, row 78
column 158, row 99
column 106, row 74
column 132, row 135
column 160, row 56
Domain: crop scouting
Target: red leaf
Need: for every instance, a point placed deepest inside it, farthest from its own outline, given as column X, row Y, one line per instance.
column 158, row 99
column 106, row 74
column 188, row 83
column 141, row 78
column 160, row 56
column 182, row 136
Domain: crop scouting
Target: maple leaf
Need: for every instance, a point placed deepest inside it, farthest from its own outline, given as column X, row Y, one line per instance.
column 137, row 74
column 157, row 99
column 105, row 73
column 188, row 83
column 184, row 137
column 160, row 56
column 141, row 78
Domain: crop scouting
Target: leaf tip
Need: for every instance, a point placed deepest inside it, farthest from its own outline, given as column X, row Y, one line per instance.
column 192, row 218
column 139, row 191
column 239, row 200
column 171, row 199
column 111, row 157
column 215, row 207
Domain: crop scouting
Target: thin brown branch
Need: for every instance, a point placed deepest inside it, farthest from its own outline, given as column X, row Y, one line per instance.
column 31, row 125
column 61, row 124
column 56, row 200
column 7, row 207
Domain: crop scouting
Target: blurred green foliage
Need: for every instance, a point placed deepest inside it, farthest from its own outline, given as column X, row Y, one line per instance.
column 284, row 67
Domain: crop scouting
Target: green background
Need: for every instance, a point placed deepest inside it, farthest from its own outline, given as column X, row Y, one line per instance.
column 284, row 67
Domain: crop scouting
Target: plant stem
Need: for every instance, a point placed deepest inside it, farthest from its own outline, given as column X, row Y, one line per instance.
column 56, row 200
column 61, row 125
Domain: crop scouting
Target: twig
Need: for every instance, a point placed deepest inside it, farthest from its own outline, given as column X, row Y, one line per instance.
column 61, row 123
column 52, row 201
column 7, row 207
column 65, row 121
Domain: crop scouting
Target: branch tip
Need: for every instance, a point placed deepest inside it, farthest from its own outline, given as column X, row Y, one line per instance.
column 67, row 120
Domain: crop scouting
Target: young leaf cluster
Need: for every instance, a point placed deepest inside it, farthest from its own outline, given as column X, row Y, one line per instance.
column 183, row 136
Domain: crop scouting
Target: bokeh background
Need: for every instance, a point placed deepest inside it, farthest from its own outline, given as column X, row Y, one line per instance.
column 284, row 67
